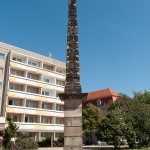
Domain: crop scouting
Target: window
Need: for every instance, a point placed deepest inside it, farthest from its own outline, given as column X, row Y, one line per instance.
column 32, row 90
column 16, row 73
column 99, row 102
column 29, row 119
column 31, row 134
column 17, row 59
column 46, row 80
column 1, row 70
column 45, row 106
column 32, row 63
column 59, row 82
column 1, row 85
column 31, row 76
column 58, row 71
column 2, row 56
column 45, row 93
column 48, row 93
column 59, row 108
column 45, row 134
column 15, row 118
column 58, row 121
column 57, row 135
column 15, row 87
column 45, row 120
column 48, row 67
column 30, row 104
column 14, row 102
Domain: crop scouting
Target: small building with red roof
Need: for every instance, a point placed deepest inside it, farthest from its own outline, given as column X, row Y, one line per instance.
column 102, row 98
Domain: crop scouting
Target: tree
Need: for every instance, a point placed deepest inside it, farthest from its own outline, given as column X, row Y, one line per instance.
column 9, row 132
column 91, row 117
column 136, row 113
column 112, row 129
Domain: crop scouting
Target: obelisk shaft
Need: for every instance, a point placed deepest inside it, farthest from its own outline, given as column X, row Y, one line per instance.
column 72, row 62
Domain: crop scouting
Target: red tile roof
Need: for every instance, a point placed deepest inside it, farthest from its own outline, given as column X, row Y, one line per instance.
column 101, row 94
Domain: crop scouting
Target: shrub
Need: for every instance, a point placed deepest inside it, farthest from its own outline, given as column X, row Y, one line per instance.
column 25, row 142
column 45, row 142
column 61, row 139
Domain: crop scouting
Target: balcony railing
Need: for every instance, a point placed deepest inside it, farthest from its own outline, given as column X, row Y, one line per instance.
column 37, row 69
column 36, row 127
column 37, row 97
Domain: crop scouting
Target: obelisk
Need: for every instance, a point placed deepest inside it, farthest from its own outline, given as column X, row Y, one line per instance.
column 72, row 96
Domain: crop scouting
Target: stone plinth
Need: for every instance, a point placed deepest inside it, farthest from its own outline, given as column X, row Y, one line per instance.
column 72, row 120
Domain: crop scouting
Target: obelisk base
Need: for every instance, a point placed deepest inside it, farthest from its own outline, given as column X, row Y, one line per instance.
column 72, row 120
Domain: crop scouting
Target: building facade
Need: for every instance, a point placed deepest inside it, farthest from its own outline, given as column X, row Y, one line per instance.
column 102, row 99
column 29, row 87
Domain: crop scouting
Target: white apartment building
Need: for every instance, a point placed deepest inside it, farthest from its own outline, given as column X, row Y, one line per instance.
column 29, row 87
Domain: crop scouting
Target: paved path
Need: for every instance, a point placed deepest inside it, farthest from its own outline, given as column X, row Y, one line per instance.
column 93, row 147
column 51, row 148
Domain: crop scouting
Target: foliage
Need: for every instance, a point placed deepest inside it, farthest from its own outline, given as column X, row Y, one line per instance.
column 9, row 132
column 121, row 104
column 113, row 129
column 136, row 113
column 142, row 97
column 45, row 142
column 91, row 117
column 25, row 142
column 60, row 140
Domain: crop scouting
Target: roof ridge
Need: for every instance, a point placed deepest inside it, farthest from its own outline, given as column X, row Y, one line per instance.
column 113, row 92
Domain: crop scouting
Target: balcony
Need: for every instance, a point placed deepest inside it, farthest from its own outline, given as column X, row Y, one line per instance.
column 22, row 95
column 34, row 111
column 36, row 127
column 36, row 83
column 35, row 69
column 17, row 72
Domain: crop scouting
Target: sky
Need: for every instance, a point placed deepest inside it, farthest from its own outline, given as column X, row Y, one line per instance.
column 114, row 38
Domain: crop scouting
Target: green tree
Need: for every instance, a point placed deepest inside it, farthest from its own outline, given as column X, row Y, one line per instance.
column 111, row 129
column 136, row 112
column 142, row 97
column 91, row 117
column 9, row 132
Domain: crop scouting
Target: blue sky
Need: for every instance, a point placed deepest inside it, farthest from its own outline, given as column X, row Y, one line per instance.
column 114, row 38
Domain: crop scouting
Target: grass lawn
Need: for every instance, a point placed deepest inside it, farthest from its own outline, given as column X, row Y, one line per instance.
column 141, row 149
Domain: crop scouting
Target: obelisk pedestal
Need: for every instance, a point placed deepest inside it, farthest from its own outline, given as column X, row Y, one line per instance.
column 73, row 120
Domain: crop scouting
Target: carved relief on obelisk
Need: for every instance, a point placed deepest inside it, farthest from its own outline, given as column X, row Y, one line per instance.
column 72, row 62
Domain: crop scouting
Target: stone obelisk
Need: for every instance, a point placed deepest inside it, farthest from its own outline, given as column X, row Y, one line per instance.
column 72, row 96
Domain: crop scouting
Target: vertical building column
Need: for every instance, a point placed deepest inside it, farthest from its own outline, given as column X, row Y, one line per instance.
column 22, row 117
column 26, row 61
column 38, row 136
column 53, row 120
column 24, row 103
column 54, row 106
column 41, row 77
column 41, row 64
column 40, row 105
column 39, row 119
column 25, row 88
column 26, row 74
column 55, row 68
